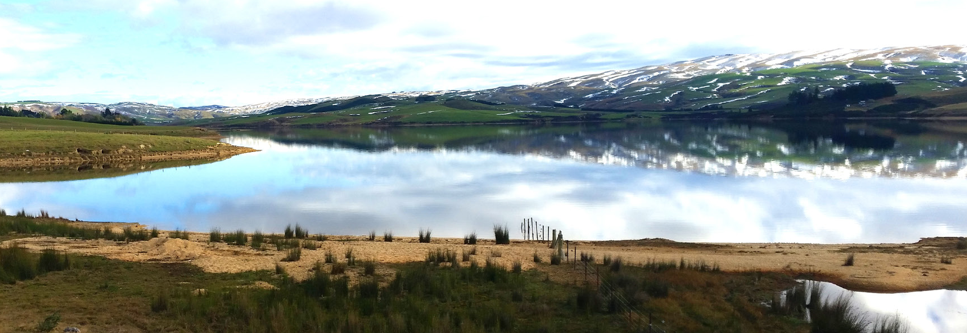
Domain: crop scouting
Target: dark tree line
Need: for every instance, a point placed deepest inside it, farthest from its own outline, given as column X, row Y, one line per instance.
column 859, row 92
column 106, row 116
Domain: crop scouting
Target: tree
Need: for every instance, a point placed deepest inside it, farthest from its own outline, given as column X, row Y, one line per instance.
column 66, row 113
column 107, row 113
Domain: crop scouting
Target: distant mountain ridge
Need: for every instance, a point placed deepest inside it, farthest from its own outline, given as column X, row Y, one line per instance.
column 734, row 81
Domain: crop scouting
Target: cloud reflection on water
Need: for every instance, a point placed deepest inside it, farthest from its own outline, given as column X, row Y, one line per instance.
column 454, row 192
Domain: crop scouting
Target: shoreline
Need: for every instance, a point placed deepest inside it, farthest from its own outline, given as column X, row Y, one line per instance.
column 220, row 150
column 884, row 268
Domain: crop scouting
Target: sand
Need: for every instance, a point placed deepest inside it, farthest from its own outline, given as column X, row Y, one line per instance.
column 218, row 151
column 878, row 267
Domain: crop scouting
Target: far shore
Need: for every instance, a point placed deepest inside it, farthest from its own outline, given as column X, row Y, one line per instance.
column 884, row 267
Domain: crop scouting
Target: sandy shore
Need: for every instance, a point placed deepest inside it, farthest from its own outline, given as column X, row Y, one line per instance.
column 221, row 150
column 878, row 267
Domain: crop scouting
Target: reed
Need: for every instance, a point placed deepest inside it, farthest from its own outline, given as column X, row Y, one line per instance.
column 388, row 236
column 372, row 236
column 215, row 235
column 501, row 234
column 850, row 259
column 424, row 235
column 470, row 239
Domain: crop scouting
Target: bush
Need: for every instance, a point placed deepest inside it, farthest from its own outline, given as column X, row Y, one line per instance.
column 338, row 268
column 177, row 234
column 294, row 254
column 588, row 258
column 49, row 323
column 288, row 232
column 215, row 236
column 501, row 234
column 388, row 236
column 616, row 264
column 237, row 237
column 154, row 232
column 850, row 259
column 369, row 267
column 51, row 261
column 300, row 232
column 555, row 258
column 424, row 236
column 470, row 239
column 16, row 264
column 257, row 239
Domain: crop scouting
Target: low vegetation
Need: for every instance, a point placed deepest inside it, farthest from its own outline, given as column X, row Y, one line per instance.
column 470, row 239
column 24, row 224
column 424, row 235
column 850, row 260
column 501, row 234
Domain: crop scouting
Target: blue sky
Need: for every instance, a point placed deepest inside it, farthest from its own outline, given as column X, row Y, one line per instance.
column 235, row 52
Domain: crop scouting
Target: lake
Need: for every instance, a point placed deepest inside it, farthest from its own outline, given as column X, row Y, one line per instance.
column 702, row 182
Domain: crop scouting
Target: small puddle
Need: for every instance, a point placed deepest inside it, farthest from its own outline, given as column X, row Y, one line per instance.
column 940, row 311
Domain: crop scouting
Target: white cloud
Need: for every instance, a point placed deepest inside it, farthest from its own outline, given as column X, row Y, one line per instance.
column 21, row 44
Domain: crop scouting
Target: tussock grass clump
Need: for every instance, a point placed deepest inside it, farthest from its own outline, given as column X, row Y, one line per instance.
column 946, row 260
column 616, row 264
column 160, row 302
column 369, row 267
column 606, row 260
column 3, row 212
column 699, row 265
column 836, row 316
column 537, row 258
column 177, row 234
column 321, row 238
column 501, row 234
column 49, row 323
column 131, row 235
column 436, row 256
column 294, row 254
column 388, row 236
column 424, row 235
column 309, row 244
column 470, row 239
column 659, row 266
column 350, row 257
column 154, row 232
column 288, row 233
column 300, row 232
column 215, row 235
column 279, row 269
column 517, row 267
column 962, row 243
column 465, row 255
column 850, row 260
column 372, row 236
column 587, row 257
column 473, row 251
column 16, row 264
column 258, row 238
column 330, row 257
column 338, row 268
column 495, row 253
column 555, row 258
column 52, row 261
column 236, row 237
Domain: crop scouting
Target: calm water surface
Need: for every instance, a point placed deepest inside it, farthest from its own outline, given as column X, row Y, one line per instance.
column 831, row 183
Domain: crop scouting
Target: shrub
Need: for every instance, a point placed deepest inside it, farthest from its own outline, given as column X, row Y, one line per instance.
column 555, row 258
column 388, row 236
column 589, row 258
column 300, row 232
column 237, row 237
column 850, row 259
column 369, row 267
column 215, row 236
column 294, row 254
column 537, row 258
column 606, row 261
column 616, row 264
column 470, row 239
column 424, row 235
column 288, row 232
column 177, row 234
column 16, row 264
column 501, row 234
column 51, row 261
column 154, row 232
column 372, row 236
column 338, row 268
column 49, row 323
column 257, row 239
column 3, row 212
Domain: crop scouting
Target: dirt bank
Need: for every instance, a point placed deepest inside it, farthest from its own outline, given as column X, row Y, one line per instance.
column 220, row 150
column 878, row 267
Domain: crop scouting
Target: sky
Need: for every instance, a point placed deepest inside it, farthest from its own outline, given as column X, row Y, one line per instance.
column 237, row 52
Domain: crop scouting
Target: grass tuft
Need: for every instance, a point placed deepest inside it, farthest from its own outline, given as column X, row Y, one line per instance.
column 49, row 323
column 177, row 234
column 372, row 236
column 294, row 254
column 517, row 267
column 237, row 237
column 300, row 232
column 215, row 236
column 850, row 260
column 962, row 243
column 616, row 264
column 309, row 244
column 338, row 268
column 470, row 239
column 388, row 236
column 330, row 257
column 369, row 267
column 288, row 233
column 424, row 235
column 555, row 258
column 537, row 258
column 258, row 238
column 946, row 260
column 495, row 253
column 501, row 234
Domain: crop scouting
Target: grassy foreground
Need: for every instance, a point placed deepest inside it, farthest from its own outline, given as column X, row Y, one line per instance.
column 31, row 143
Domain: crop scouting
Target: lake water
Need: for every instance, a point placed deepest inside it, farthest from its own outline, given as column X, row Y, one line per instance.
column 934, row 311
column 714, row 182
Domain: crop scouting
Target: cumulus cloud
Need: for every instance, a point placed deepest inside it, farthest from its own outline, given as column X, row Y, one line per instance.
column 22, row 44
